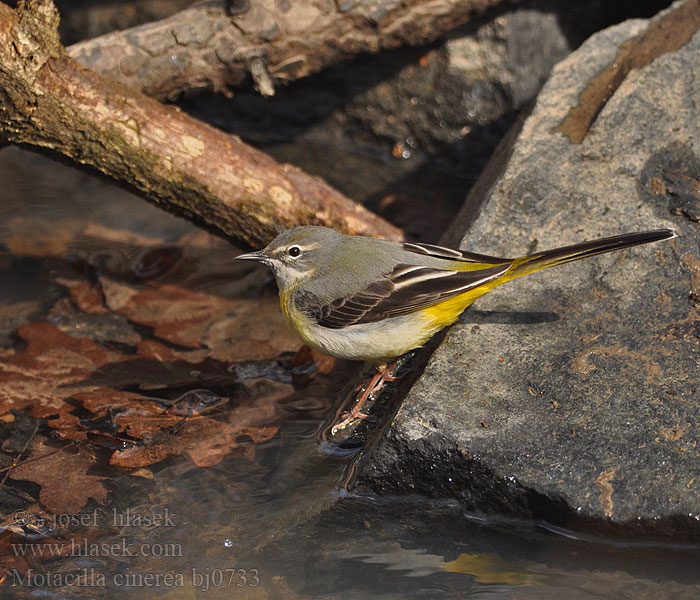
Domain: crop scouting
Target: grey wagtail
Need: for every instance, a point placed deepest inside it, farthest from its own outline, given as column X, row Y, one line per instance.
column 362, row 298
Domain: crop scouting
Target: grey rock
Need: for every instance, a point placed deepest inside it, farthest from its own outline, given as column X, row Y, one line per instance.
column 455, row 95
column 99, row 328
column 573, row 395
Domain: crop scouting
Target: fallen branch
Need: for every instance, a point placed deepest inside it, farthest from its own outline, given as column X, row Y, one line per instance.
column 49, row 100
column 221, row 44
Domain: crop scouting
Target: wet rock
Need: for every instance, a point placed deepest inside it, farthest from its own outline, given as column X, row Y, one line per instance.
column 572, row 395
column 458, row 97
column 99, row 328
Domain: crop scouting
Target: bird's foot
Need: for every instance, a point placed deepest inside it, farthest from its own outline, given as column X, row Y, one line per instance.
column 375, row 384
column 348, row 417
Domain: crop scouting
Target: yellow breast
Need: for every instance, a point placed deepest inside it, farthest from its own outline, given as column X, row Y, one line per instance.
column 374, row 342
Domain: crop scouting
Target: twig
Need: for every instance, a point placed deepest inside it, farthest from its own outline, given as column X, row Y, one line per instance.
column 19, row 456
column 178, row 162
column 35, row 458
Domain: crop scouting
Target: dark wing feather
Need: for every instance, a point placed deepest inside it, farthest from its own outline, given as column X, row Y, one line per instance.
column 344, row 311
column 407, row 289
column 450, row 254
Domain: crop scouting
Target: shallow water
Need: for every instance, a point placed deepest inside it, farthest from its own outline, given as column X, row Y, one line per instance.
column 269, row 517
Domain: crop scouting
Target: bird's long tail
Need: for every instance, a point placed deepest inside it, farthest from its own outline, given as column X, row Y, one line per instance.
column 549, row 258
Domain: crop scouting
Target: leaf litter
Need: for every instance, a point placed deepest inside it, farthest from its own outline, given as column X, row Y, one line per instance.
column 141, row 358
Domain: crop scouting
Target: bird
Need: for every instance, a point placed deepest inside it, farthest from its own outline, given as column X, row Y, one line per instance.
column 367, row 299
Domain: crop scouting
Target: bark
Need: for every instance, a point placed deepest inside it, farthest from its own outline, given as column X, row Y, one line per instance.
column 49, row 100
column 221, row 44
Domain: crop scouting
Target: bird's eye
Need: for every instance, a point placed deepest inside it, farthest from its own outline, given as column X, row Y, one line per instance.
column 294, row 251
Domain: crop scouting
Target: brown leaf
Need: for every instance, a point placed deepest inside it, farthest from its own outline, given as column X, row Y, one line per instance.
column 308, row 358
column 62, row 474
column 55, row 368
column 189, row 293
column 45, row 539
column 232, row 329
column 117, row 294
column 52, row 361
column 84, row 295
column 162, row 353
column 57, row 375
column 178, row 315
column 207, row 440
column 93, row 395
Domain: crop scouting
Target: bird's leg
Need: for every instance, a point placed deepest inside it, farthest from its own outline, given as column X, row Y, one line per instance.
column 386, row 374
column 375, row 384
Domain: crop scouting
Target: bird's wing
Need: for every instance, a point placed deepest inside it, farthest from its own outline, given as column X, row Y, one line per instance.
column 479, row 260
column 406, row 289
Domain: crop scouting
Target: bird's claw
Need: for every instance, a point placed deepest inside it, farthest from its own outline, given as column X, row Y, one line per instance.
column 348, row 417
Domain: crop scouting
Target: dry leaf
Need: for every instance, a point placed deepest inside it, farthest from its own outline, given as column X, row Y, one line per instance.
column 62, row 474
column 84, row 295
column 103, row 398
column 206, row 439
column 40, row 376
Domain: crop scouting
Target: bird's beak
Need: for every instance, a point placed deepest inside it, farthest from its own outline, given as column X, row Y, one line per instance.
column 257, row 256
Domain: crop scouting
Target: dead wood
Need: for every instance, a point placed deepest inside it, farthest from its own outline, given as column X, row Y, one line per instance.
column 221, row 44
column 48, row 100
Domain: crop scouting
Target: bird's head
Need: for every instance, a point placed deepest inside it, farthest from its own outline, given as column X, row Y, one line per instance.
column 295, row 254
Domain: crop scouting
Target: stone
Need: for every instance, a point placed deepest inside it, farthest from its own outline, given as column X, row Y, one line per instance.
column 573, row 395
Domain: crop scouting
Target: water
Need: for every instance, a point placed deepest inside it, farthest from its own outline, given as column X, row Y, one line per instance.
column 252, row 505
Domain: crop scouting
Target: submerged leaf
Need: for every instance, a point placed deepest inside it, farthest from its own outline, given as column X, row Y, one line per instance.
column 130, row 401
column 62, row 474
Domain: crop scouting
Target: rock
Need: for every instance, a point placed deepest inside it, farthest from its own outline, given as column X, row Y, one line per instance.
column 573, row 395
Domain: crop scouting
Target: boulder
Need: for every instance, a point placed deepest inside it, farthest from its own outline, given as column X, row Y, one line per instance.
column 572, row 395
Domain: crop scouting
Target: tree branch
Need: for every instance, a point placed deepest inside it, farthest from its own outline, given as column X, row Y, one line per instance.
column 184, row 165
column 221, row 44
